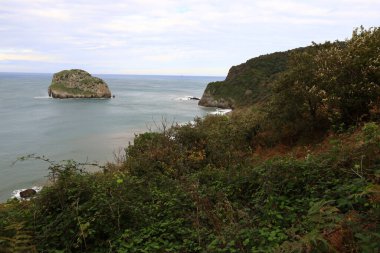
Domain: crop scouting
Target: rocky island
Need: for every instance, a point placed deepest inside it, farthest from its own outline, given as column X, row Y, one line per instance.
column 77, row 83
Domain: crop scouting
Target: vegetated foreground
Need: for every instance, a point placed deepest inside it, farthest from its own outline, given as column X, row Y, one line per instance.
column 297, row 173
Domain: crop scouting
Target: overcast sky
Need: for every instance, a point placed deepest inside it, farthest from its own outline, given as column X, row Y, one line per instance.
column 194, row 37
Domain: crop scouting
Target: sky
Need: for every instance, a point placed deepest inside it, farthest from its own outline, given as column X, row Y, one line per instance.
column 167, row 37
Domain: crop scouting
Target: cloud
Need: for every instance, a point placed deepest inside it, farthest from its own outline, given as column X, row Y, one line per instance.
column 153, row 25
column 193, row 34
column 25, row 55
column 294, row 8
column 48, row 13
column 173, row 71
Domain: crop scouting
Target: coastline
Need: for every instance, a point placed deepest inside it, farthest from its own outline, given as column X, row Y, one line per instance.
column 120, row 141
column 84, row 129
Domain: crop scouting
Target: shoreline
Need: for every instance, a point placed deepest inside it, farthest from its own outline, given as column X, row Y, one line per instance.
column 120, row 141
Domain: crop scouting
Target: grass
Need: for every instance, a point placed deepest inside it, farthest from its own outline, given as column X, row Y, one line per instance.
column 73, row 91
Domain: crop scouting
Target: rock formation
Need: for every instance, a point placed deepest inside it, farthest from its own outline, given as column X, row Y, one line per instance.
column 77, row 83
column 248, row 83
column 209, row 100
column 28, row 193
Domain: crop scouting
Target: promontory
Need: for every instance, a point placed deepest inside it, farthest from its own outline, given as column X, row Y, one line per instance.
column 77, row 83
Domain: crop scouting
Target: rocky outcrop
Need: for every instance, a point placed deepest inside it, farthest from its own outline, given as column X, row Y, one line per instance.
column 209, row 100
column 246, row 84
column 77, row 83
column 28, row 193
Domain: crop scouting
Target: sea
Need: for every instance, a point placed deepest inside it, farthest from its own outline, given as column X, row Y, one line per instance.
column 84, row 130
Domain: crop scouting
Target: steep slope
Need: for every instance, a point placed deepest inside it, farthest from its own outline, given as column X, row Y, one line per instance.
column 247, row 83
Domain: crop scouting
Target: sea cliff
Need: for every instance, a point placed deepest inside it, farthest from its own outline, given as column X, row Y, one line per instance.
column 247, row 83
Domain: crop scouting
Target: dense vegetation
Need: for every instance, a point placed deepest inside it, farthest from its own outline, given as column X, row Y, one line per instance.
column 250, row 82
column 62, row 88
column 300, row 174
column 77, row 83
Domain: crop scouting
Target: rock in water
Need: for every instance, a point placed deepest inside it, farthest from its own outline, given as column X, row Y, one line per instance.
column 77, row 83
column 208, row 100
column 28, row 193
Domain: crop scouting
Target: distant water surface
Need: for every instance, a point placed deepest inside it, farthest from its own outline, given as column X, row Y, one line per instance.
column 80, row 129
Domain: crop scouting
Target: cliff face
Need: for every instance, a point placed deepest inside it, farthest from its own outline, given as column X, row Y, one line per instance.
column 247, row 83
column 77, row 83
column 209, row 100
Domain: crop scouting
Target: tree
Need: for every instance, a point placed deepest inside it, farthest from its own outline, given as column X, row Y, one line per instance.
column 335, row 82
column 349, row 73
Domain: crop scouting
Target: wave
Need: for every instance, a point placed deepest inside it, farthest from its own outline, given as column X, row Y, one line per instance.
column 42, row 97
column 16, row 193
column 221, row 111
column 186, row 98
column 188, row 123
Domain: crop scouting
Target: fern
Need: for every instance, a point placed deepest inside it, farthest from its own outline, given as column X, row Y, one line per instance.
column 311, row 242
column 20, row 242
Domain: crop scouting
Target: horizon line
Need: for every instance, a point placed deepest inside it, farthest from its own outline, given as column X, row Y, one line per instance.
column 125, row 74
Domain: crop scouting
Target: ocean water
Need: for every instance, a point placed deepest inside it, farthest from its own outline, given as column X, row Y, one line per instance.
column 80, row 129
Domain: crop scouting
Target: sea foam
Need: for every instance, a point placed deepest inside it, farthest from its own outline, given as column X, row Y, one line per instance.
column 16, row 193
column 42, row 97
column 219, row 111
column 186, row 98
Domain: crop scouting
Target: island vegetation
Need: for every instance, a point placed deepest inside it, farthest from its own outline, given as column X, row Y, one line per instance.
column 77, row 83
column 293, row 169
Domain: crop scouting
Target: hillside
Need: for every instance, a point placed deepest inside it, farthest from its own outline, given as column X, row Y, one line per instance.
column 299, row 174
column 247, row 83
